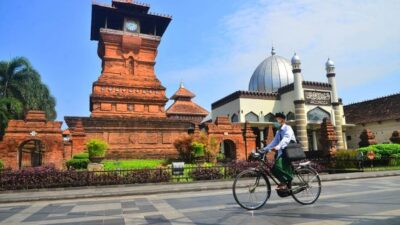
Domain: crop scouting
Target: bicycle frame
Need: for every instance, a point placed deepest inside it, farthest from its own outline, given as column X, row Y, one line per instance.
column 264, row 166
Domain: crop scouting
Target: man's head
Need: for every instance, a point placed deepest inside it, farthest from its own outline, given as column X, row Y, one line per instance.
column 280, row 117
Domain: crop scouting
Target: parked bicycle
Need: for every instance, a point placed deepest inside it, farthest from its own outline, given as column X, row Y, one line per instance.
column 252, row 187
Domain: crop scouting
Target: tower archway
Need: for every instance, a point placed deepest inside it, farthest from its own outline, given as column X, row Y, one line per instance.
column 30, row 153
column 228, row 148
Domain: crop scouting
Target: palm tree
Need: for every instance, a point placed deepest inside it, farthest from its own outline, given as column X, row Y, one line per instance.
column 10, row 108
column 19, row 80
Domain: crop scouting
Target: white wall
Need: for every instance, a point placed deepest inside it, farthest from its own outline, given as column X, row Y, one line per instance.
column 228, row 109
column 260, row 107
column 383, row 131
column 287, row 100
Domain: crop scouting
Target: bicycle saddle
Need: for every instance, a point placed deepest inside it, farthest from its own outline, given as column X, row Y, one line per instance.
column 304, row 163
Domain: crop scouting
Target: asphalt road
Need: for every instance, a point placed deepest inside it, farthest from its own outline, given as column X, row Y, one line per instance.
column 359, row 201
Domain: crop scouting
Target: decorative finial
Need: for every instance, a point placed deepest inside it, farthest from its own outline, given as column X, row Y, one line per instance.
column 295, row 59
column 181, row 85
column 273, row 51
column 330, row 66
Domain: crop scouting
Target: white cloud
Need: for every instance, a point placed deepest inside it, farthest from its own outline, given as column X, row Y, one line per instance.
column 362, row 37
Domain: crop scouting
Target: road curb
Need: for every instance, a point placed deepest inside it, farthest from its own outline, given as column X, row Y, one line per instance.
column 147, row 189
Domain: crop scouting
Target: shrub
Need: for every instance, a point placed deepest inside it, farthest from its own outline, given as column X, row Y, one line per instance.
column 394, row 160
column 198, row 149
column 147, row 176
column 83, row 155
column 184, row 147
column 1, row 164
column 204, row 173
column 234, row 168
column 346, row 155
column 220, row 156
column 381, row 150
column 77, row 163
column 49, row 177
column 96, row 148
column 213, row 149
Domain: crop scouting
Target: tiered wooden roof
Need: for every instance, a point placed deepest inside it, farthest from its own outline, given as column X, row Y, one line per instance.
column 183, row 104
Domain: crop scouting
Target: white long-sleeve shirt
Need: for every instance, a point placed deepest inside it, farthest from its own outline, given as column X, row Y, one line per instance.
column 282, row 138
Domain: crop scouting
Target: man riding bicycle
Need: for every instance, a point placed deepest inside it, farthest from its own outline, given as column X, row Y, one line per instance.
column 282, row 168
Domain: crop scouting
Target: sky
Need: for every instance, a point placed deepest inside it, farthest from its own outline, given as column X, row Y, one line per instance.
column 214, row 46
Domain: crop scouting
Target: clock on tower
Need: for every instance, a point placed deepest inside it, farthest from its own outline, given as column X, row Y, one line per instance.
column 131, row 26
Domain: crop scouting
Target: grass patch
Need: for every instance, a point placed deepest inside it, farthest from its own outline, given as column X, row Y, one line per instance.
column 133, row 164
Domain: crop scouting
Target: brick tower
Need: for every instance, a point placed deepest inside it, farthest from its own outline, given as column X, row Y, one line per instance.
column 128, row 37
column 127, row 102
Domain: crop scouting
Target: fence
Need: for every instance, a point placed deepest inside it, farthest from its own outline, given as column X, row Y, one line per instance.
column 48, row 177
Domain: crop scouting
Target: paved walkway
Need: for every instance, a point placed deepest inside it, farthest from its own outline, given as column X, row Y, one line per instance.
column 372, row 201
column 145, row 189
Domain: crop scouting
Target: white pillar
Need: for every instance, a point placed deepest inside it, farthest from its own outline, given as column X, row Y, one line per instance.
column 262, row 137
column 298, row 78
column 338, row 118
column 299, row 103
column 315, row 140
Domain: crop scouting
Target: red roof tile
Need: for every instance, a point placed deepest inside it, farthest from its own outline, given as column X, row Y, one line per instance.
column 379, row 109
column 183, row 92
column 186, row 108
column 183, row 104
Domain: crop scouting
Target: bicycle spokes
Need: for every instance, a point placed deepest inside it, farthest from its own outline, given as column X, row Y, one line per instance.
column 251, row 190
column 306, row 186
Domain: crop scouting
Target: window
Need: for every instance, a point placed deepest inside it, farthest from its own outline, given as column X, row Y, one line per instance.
column 317, row 114
column 290, row 116
column 269, row 118
column 251, row 117
column 234, row 118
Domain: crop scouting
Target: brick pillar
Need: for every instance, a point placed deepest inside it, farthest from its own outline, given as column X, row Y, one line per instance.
column 395, row 138
column 78, row 138
column 270, row 135
column 328, row 138
column 367, row 138
column 249, row 140
column 196, row 132
column 301, row 123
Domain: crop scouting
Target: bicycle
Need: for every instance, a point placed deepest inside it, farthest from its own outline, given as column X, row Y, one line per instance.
column 304, row 190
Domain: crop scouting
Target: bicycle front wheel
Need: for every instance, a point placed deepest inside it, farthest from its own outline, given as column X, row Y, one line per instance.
column 251, row 189
column 305, row 186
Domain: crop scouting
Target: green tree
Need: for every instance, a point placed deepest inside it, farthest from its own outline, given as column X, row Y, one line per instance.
column 19, row 80
column 10, row 108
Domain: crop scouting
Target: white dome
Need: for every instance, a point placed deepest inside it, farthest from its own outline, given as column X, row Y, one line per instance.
column 295, row 59
column 329, row 63
column 273, row 73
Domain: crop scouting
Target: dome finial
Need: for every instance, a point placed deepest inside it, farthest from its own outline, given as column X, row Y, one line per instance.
column 273, row 51
column 181, row 85
column 295, row 59
column 330, row 66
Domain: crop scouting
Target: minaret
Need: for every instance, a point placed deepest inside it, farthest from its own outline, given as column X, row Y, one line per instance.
column 331, row 75
column 299, row 103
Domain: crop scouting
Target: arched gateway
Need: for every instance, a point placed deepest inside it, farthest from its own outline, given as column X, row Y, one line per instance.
column 32, row 142
column 228, row 148
column 30, row 153
column 236, row 142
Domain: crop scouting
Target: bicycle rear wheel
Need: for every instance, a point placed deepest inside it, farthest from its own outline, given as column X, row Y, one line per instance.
column 305, row 186
column 251, row 189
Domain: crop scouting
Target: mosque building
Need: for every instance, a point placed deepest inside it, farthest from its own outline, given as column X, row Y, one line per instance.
column 277, row 85
column 127, row 104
